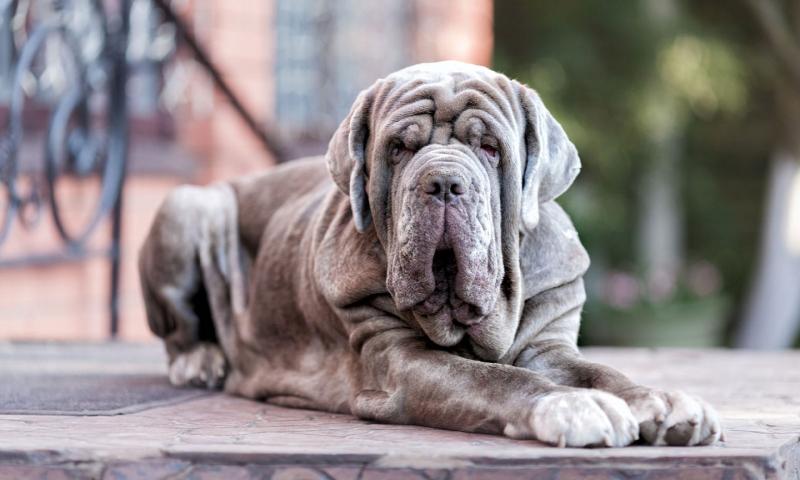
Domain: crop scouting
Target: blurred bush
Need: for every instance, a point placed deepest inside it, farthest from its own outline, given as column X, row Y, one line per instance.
column 670, row 112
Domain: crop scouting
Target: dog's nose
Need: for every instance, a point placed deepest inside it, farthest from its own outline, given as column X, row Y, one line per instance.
column 443, row 186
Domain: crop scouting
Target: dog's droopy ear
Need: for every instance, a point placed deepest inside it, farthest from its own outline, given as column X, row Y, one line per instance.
column 551, row 162
column 346, row 158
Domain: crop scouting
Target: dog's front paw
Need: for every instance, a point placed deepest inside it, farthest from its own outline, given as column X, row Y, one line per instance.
column 577, row 418
column 673, row 418
column 202, row 366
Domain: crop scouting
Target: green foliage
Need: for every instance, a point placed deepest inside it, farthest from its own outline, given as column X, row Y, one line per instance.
column 704, row 73
column 618, row 76
column 588, row 62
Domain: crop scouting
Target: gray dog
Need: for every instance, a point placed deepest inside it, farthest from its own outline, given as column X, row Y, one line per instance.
column 426, row 276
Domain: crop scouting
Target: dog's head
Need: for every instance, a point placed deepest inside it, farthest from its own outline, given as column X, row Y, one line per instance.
column 449, row 162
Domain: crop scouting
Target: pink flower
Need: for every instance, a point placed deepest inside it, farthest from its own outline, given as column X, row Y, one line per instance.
column 621, row 290
column 661, row 285
column 703, row 279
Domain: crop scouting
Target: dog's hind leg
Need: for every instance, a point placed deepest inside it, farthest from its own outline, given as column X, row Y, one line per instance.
column 189, row 282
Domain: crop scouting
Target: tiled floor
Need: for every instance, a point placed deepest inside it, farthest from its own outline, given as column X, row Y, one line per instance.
column 757, row 394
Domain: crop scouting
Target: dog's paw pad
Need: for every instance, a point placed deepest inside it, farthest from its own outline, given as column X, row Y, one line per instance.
column 203, row 366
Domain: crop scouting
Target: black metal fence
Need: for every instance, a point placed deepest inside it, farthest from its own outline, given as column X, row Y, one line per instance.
column 67, row 60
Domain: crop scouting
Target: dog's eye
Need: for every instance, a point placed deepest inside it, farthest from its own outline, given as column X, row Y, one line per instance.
column 490, row 152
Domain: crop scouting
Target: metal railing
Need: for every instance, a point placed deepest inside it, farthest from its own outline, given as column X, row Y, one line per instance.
column 68, row 59
column 60, row 56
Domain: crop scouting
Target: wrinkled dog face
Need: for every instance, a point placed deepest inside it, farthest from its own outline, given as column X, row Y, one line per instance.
column 449, row 162
column 444, row 260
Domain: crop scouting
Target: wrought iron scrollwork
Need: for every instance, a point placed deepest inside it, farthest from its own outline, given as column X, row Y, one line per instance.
column 73, row 57
column 69, row 57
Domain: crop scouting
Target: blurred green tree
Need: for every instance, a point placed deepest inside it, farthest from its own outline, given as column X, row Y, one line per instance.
column 667, row 109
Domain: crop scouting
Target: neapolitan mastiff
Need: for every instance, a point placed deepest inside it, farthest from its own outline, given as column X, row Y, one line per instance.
column 421, row 273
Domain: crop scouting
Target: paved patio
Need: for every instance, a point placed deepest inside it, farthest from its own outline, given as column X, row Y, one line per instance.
column 121, row 432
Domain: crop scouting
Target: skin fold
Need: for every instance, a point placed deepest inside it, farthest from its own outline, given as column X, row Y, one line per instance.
column 420, row 273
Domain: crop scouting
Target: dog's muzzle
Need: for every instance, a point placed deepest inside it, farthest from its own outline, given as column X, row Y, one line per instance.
column 445, row 267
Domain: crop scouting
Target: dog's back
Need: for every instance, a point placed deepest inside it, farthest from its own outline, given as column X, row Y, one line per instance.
column 280, row 187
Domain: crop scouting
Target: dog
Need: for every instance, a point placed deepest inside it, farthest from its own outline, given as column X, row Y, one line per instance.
column 420, row 273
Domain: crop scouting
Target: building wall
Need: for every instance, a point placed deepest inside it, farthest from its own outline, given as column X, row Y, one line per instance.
column 299, row 64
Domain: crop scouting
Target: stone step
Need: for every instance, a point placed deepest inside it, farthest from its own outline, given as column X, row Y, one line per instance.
column 215, row 435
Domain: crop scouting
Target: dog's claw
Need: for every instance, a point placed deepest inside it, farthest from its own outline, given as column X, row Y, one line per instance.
column 674, row 418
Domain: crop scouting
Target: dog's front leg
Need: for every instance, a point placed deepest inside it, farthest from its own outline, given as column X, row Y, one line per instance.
column 664, row 417
column 405, row 380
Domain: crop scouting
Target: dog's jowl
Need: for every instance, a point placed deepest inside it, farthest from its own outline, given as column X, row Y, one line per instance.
column 421, row 272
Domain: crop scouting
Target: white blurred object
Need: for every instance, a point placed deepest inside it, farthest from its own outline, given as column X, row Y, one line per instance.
column 149, row 39
column 772, row 312
column 793, row 217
